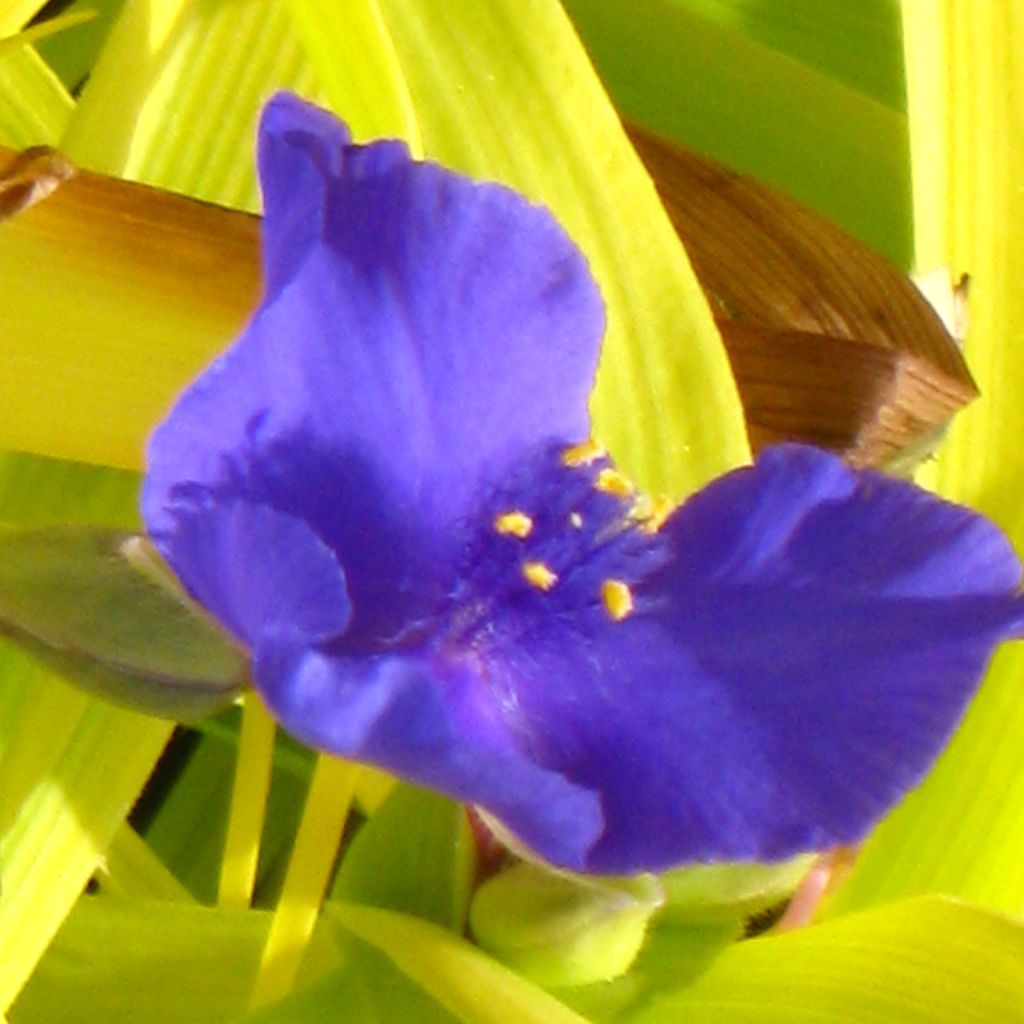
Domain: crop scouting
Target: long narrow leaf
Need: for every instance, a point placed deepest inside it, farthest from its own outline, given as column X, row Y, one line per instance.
column 963, row 831
column 713, row 87
column 531, row 112
column 920, row 962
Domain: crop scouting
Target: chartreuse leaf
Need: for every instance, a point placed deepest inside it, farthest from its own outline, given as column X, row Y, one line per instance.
column 357, row 67
column 34, row 106
column 560, row 929
column 153, row 961
column 71, row 766
column 415, row 855
column 178, row 55
column 859, row 44
column 472, row 986
column 962, row 832
column 38, row 491
column 17, row 13
column 310, row 867
column 927, row 961
column 72, row 55
column 368, row 989
column 131, row 870
column 101, row 607
column 185, row 827
column 44, row 29
column 504, row 90
column 713, row 87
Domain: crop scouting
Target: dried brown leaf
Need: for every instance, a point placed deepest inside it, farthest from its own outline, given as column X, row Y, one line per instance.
column 829, row 343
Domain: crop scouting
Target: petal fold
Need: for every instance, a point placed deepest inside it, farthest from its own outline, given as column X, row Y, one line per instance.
column 256, row 569
column 300, row 151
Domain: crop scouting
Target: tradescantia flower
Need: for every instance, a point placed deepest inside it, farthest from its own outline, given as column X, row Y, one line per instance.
column 386, row 491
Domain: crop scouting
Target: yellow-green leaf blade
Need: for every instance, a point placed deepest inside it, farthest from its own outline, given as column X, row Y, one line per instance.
column 358, row 68
column 74, row 802
column 71, row 767
column 962, row 832
column 17, row 13
column 211, row 65
column 34, row 106
column 530, row 112
column 158, row 962
column 474, row 987
column 717, row 89
column 928, row 961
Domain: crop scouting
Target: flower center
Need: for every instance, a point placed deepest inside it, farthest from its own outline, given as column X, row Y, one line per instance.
column 564, row 534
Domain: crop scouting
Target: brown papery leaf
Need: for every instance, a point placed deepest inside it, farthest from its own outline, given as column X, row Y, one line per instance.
column 144, row 287
column 188, row 251
column 830, row 344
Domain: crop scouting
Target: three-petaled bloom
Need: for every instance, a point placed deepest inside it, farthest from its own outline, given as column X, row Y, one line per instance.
column 385, row 490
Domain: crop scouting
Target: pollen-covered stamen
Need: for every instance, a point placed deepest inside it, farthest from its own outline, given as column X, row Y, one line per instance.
column 663, row 508
column 583, row 454
column 538, row 575
column 617, row 599
column 650, row 514
column 586, row 552
column 513, row 524
column 611, row 481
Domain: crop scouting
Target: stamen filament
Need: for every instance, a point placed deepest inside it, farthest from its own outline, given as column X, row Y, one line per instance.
column 309, row 870
column 248, row 805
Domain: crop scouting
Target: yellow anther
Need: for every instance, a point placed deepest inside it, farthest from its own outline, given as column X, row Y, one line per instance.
column 611, row 481
column 661, row 509
column 583, row 454
column 576, row 520
column 617, row 598
column 513, row 524
column 642, row 509
column 650, row 513
column 538, row 575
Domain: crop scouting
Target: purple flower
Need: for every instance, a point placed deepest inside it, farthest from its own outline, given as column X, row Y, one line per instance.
column 384, row 490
